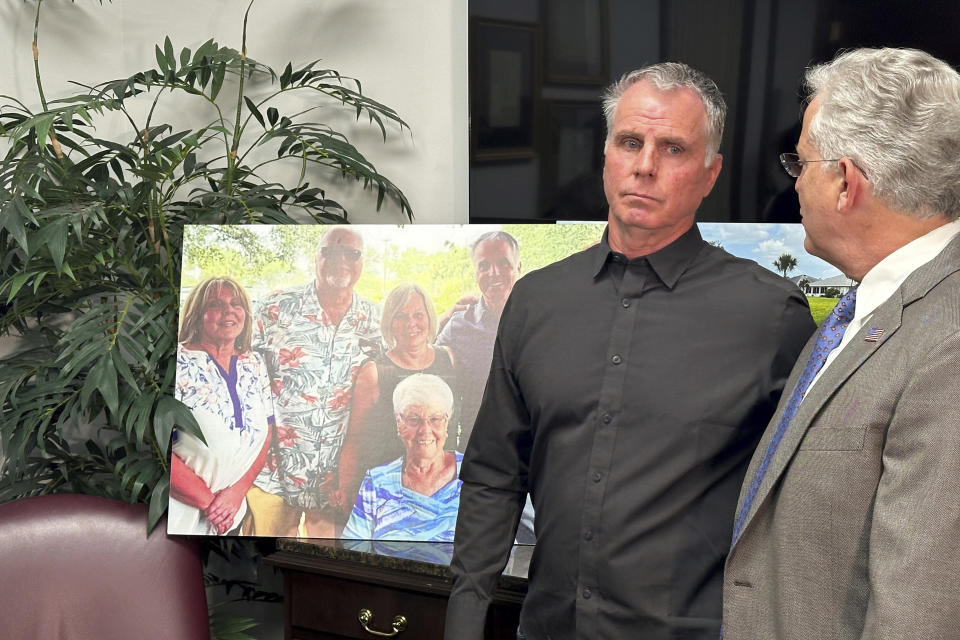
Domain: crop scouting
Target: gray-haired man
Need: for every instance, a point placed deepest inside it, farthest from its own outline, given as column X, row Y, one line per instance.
column 849, row 517
column 472, row 327
column 630, row 383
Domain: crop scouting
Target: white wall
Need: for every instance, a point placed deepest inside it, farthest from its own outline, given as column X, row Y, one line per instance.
column 409, row 54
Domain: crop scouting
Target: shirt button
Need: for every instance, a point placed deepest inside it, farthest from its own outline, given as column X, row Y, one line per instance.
column 626, row 303
column 588, row 535
column 616, row 359
column 596, row 476
column 607, row 418
column 587, row 593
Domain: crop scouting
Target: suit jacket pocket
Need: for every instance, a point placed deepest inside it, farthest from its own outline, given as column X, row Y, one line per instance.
column 833, row 439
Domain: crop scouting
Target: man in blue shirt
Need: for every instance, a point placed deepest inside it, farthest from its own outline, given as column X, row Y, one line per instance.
column 472, row 327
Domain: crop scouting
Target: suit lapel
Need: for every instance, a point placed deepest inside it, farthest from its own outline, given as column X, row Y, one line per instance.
column 886, row 317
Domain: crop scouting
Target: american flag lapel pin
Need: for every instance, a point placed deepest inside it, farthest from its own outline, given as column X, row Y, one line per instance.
column 873, row 335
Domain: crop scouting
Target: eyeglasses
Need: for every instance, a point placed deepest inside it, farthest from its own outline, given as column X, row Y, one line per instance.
column 415, row 422
column 793, row 165
column 348, row 254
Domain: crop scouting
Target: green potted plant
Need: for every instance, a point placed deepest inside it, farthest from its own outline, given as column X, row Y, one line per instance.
column 90, row 236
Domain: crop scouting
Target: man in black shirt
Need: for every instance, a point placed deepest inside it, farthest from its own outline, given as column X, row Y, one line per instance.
column 629, row 386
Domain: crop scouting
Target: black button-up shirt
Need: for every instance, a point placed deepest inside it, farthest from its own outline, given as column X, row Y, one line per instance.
column 627, row 396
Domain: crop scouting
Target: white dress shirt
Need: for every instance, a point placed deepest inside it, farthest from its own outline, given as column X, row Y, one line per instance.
column 883, row 280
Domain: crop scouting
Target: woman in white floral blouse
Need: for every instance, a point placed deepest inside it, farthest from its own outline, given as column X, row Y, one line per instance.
column 225, row 385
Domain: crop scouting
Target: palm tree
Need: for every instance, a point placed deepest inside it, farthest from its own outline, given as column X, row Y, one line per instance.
column 785, row 264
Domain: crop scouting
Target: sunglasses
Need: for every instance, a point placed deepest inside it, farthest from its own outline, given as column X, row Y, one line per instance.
column 348, row 254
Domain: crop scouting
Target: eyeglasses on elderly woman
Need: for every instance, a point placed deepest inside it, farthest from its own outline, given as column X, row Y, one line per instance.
column 415, row 422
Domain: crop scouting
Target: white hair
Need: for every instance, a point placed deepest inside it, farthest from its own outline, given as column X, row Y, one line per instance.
column 422, row 389
column 896, row 114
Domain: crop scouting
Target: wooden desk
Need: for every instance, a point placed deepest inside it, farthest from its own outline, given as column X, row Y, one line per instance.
column 327, row 583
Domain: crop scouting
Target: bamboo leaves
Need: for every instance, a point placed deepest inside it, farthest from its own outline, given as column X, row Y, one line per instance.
column 90, row 231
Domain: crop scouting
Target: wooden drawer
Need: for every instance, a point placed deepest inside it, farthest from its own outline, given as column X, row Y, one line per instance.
column 324, row 596
column 333, row 605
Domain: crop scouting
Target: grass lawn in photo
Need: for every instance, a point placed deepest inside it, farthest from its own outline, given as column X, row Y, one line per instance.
column 820, row 307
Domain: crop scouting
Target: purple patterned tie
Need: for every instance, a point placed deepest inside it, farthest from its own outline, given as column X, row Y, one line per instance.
column 828, row 338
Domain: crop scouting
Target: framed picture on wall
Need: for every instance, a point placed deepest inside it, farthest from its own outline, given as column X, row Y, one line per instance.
column 576, row 41
column 503, row 65
column 571, row 171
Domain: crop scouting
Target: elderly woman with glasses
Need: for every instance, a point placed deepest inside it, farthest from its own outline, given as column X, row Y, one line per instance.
column 416, row 496
column 409, row 327
column 225, row 385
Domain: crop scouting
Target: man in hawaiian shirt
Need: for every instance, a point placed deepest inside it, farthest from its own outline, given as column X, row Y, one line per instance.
column 313, row 338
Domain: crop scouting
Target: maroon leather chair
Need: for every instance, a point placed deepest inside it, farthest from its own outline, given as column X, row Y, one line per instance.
column 76, row 567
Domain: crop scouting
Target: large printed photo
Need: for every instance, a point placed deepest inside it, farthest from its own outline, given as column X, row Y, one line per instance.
column 335, row 372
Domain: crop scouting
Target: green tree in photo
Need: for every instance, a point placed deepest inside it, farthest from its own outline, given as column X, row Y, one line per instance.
column 785, row 264
column 543, row 244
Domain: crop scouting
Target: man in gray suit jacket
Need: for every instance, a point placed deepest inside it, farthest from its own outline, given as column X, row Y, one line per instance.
column 848, row 523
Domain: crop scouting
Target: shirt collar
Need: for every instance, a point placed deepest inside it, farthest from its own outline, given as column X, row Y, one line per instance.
column 887, row 275
column 482, row 310
column 669, row 263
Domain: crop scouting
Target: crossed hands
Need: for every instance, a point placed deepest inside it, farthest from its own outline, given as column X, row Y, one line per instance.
column 223, row 508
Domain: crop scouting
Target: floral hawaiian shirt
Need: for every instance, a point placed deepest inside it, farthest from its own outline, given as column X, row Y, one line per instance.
column 312, row 365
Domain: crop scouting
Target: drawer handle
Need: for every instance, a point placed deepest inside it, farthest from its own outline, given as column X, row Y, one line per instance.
column 366, row 617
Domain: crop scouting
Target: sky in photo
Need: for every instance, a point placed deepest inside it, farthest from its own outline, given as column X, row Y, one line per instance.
column 764, row 243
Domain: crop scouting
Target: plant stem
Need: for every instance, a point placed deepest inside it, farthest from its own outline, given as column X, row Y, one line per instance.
column 36, row 73
column 36, row 56
column 232, row 156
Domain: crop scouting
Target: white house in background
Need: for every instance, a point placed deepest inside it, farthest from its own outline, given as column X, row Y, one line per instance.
column 839, row 282
column 797, row 279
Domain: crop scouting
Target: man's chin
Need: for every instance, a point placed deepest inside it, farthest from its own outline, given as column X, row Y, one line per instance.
column 338, row 282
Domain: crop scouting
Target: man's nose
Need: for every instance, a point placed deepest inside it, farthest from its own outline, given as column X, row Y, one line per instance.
column 646, row 161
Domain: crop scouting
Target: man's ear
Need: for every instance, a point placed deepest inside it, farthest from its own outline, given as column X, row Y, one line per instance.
column 713, row 171
column 853, row 186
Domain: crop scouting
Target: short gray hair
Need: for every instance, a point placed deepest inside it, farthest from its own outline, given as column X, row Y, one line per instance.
column 494, row 236
column 896, row 114
column 423, row 389
column 666, row 76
